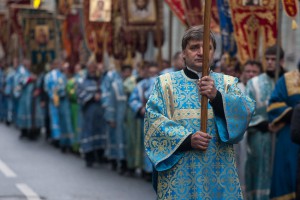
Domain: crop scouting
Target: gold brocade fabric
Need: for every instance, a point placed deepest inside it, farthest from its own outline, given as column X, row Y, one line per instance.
column 173, row 113
column 255, row 27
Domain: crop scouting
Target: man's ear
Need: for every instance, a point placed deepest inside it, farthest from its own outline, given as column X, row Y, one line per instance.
column 183, row 54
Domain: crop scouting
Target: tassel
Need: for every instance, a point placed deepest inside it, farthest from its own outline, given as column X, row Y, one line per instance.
column 36, row 4
column 294, row 24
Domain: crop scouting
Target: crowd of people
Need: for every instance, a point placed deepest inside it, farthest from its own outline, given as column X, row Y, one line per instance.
column 98, row 112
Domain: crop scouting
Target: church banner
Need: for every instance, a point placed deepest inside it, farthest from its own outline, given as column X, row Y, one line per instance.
column 215, row 18
column 177, row 9
column 142, row 14
column 39, row 34
column 191, row 12
column 100, row 10
column 98, row 34
column 194, row 12
column 291, row 9
column 72, row 37
column 140, row 18
column 226, row 26
column 255, row 26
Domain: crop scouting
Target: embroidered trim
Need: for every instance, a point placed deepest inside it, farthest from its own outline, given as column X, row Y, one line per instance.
column 274, row 106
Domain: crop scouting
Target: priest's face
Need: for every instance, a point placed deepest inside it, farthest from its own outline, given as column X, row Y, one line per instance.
column 270, row 62
column 193, row 54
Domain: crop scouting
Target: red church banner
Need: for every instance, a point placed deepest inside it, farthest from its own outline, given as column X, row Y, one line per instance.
column 177, row 9
column 191, row 12
column 255, row 27
column 291, row 9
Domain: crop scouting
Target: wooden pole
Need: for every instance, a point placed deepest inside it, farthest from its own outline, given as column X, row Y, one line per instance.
column 205, row 65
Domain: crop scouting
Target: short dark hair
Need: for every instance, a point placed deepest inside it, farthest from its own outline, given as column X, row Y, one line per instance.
column 125, row 67
column 272, row 51
column 254, row 62
column 151, row 64
column 196, row 33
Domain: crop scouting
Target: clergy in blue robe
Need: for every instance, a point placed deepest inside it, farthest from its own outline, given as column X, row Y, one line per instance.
column 114, row 103
column 8, row 91
column 192, row 164
column 3, row 107
column 29, row 114
column 59, row 107
column 93, row 135
column 258, row 169
column 137, row 102
column 284, row 98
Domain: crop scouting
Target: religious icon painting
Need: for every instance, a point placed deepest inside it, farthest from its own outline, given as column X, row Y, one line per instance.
column 100, row 10
column 41, row 35
column 141, row 12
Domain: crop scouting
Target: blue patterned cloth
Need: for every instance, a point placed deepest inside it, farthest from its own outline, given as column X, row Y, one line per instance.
column 227, row 32
column 172, row 114
column 285, row 97
column 137, row 100
column 30, row 113
column 61, row 127
column 259, row 155
column 3, row 99
column 8, row 91
column 114, row 103
column 93, row 135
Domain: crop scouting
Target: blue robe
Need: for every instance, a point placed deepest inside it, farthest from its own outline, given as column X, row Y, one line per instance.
column 8, row 91
column 259, row 162
column 114, row 104
column 138, row 100
column 3, row 107
column 285, row 96
column 61, row 127
column 93, row 135
column 29, row 113
column 172, row 114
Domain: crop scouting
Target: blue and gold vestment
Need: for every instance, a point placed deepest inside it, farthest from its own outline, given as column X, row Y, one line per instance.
column 284, row 98
column 172, row 114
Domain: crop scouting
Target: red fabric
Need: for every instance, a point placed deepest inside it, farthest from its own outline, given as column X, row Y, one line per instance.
column 290, row 7
column 30, row 80
column 74, row 37
column 177, row 8
column 193, row 11
column 215, row 21
column 253, row 25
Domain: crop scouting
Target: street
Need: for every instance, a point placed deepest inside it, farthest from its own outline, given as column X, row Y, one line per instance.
column 35, row 170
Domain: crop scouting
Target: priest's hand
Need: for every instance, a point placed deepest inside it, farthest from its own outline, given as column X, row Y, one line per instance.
column 274, row 128
column 200, row 140
column 207, row 87
column 97, row 96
